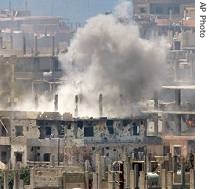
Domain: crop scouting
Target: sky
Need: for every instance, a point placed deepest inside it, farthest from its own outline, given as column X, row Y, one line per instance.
column 75, row 10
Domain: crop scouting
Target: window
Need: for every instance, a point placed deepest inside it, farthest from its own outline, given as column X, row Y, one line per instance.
column 177, row 150
column 3, row 156
column 47, row 157
column 110, row 128
column 150, row 128
column 135, row 129
column 143, row 10
column 166, row 150
column 2, row 131
column 69, row 126
column 18, row 131
column 18, row 156
column 80, row 124
column 88, row 131
column 48, row 131
column 61, row 130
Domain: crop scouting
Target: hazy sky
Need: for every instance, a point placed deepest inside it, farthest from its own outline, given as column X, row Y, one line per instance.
column 75, row 10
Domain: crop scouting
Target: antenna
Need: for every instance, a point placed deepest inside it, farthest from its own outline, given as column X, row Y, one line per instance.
column 26, row 5
column 10, row 7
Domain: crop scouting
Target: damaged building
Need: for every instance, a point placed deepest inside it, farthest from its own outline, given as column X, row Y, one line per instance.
column 155, row 149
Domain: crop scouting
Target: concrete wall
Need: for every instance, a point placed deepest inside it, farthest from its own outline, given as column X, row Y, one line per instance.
column 30, row 129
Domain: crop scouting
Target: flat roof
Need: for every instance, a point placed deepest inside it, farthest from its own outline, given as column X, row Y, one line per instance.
column 169, row 112
column 179, row 87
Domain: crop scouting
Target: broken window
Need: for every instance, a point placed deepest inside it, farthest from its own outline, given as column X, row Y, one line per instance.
column 3, row 156
column 18, row 131
column 80, row 124
column 47, row 157
column 126, row 122
column 166, row 150
column 135, row 129
column 177, row 150
column 18, row 156
column 69, row 126
column 3, row 131
column 61, row 130
column 88, row 131
column 4, row 124
column 48, row 131
column 110, row 128
column 61, row 157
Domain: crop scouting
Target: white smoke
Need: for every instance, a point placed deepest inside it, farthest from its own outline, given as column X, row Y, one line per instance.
column 123, row 10
column 108, row 57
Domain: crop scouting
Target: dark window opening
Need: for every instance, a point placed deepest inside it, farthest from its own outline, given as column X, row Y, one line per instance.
column 109, row 122
column 154, row 166
column 56, row 64
column 61, row 157
column 61, row 130
column 177, row 150
column 3, row 156
column 107, row 148
column 143, row 10
column 138, row 166
column 102, row 151
column 48, row 131
column 110, row 129
column 80, row 124
column 135, row 129
column 19, row 156
column 18, row 131
column 126, row 122
column 69, row 126
column 88, row 132
column 47, row 157
column 166, row 150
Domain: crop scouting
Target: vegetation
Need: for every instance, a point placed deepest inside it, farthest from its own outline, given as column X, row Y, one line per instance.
column 24, row 175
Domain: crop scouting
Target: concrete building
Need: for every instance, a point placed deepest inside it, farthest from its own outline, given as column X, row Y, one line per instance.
column 174, row 20
column 153, row 150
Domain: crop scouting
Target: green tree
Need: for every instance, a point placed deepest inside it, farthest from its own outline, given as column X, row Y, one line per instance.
column 25, row 175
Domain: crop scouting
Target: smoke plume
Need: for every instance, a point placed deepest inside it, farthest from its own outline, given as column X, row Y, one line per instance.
column 107, row 56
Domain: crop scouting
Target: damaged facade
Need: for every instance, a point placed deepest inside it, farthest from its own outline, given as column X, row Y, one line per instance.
column 153, row 150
